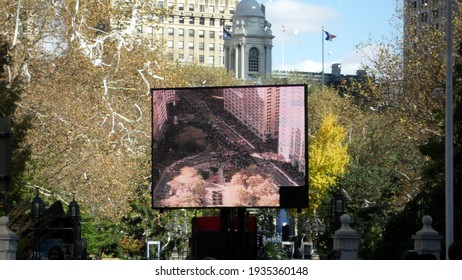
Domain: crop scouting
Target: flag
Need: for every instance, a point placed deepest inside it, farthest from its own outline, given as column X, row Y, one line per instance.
column 329, row 36
column 226, row 34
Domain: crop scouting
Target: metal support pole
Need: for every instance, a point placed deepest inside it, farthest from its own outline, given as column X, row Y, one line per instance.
column 449, row 165
column 322, row 40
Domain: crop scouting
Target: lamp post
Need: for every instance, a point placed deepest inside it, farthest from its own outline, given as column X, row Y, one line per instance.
column 338, row 204
column 185, row 233
column 74, row 208
column 174, row 229
column 37, row 208
column 449, row 127
column 314, row 229
column 337, row 208
column 317, row 229
column 74, row 214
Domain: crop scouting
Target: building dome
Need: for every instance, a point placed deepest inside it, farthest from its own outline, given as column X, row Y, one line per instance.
column 248, row 8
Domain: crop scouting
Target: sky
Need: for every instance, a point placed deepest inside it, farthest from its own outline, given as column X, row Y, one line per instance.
column 354, row 22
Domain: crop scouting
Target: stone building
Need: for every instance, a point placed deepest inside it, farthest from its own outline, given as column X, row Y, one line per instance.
column 247, row 50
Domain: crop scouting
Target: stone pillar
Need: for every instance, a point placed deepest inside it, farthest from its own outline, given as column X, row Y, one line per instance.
column 268, row 60
column 346, row 240
column 227, row 58
column 236, row 60
column 8, row 241
column 244, row 60
column 427, row 240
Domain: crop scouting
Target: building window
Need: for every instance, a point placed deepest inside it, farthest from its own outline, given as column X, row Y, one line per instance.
column 160, row 4
column 201, row 33
column 201, row 46
column 171, row 19
column 181, row 32
column 181, row 6
column 221, row 9
column 211, row 59
column 160, row 31
column 170, row 44
column 211, row 9
column 211, row 47
column 191, row 45
column 170, row 31
column 253, row 60
column 191, row 20
column 231, row 11
column 202, row 8
column 212, row 22
column 423, row 17
column 181, row 19
column 201, row 58
column 191, row 7
column 211, row 34
column 181, row 45
column 201, row 20
column 149, row 30
column 191, row 32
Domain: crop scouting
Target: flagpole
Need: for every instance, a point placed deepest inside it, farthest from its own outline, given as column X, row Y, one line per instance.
column 283, row 33
column 322, row 39
column 449, row 153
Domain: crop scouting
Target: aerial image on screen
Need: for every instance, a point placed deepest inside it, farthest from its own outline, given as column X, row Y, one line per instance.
column 227, row 146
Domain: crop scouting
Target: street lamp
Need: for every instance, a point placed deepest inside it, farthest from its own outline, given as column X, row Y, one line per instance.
column 185, row 237
column 37, row 208
column 74, row 208
column 338, row 204
column 314, row 231
column 74, row 214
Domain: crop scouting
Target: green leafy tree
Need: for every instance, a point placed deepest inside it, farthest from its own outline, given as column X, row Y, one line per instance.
column 102, row 237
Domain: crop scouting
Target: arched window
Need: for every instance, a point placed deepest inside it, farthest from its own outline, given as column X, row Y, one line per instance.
column 253, row 59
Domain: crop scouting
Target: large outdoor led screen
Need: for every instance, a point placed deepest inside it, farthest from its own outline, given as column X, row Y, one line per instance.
column 229, row 147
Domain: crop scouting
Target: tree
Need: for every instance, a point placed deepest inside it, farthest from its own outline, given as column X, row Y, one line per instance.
column 384, row 162
column 10, row 97
column 413, row 70
column 328, row 159
column 431, row 198
column 88, row 86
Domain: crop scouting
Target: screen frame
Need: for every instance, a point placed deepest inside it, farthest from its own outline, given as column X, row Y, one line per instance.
column 289, row 196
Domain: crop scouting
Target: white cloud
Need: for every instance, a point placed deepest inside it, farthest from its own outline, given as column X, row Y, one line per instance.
column 300, row 44
column 305, row 66
column 298, row 17
column 350, row 64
